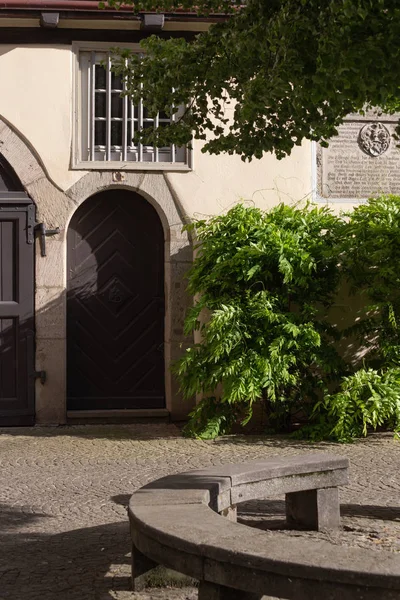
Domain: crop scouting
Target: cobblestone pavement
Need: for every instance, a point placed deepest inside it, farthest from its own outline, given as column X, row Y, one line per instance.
column 63, row 494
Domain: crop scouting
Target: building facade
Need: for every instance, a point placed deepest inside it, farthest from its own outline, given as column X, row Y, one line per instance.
column 92, row 252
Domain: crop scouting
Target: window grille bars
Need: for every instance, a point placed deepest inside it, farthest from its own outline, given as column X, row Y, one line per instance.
column 112, row 120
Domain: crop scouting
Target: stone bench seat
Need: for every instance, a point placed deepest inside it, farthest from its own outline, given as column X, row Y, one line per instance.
column 175, row 522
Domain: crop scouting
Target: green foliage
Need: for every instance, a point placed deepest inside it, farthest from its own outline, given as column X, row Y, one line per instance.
column 265, row 284
column 271, row 74
column 370, row 256
column 366, row 400
column 265, row 280
column 371, row 261
column 210, row 418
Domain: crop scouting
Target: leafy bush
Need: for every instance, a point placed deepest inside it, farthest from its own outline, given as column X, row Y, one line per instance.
column 371, row 250
column 267, row 282
column 366, row 400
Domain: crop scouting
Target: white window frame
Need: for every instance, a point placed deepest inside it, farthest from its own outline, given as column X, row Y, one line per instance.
column 80, row 120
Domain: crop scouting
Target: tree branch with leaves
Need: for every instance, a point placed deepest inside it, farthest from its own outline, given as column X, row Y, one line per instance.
column 269, row 76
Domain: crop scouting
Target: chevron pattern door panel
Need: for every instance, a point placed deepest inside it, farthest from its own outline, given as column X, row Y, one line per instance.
column 115, row 323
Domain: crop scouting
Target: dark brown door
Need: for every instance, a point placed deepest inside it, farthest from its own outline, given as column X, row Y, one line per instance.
column 16, row 308
column 115, row 322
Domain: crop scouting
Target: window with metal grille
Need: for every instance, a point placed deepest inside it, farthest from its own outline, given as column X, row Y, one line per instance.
column 108, row 121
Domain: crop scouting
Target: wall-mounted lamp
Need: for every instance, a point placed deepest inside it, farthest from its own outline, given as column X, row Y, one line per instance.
column 153, row 22
column 49, row 20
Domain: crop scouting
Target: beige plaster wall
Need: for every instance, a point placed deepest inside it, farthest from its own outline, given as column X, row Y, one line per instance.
column 37, row 98
column 36, row 124
column 217, row 182
column 56, row 208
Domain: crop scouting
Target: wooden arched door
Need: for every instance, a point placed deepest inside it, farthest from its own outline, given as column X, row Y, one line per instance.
column 115, row 306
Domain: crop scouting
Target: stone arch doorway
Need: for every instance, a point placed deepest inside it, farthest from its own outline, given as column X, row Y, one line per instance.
column 115, row 304
column 17, row 337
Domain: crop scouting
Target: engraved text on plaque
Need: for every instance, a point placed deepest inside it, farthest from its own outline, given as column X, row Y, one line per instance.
column 362, row 161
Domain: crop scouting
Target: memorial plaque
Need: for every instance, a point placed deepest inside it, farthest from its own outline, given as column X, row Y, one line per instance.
column 362, row 161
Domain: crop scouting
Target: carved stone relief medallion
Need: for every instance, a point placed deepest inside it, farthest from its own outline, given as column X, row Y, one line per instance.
column 374, row 139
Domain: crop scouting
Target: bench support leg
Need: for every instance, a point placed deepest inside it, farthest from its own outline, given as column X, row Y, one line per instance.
column 213, row 591
column 314, row 509
column 140, row 566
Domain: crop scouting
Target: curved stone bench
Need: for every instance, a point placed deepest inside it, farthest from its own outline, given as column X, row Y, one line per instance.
column 175, row 522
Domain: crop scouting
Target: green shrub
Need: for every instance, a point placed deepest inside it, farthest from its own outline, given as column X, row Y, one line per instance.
column 268, row 282
column 366, row 400
column 371, row 251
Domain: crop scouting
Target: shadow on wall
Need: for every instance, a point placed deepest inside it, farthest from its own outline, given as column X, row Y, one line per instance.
column 116, row 308
column 112, row 358
column 87, row 297
column 116, row 311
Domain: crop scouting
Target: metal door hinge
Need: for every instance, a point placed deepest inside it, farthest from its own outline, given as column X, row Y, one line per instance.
column 40, row 228
column 30, row 228
column 42, row 375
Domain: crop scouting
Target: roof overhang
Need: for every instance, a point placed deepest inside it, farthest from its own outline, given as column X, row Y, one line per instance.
column 89, row 9
column 70, row 5
column 86, row 14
